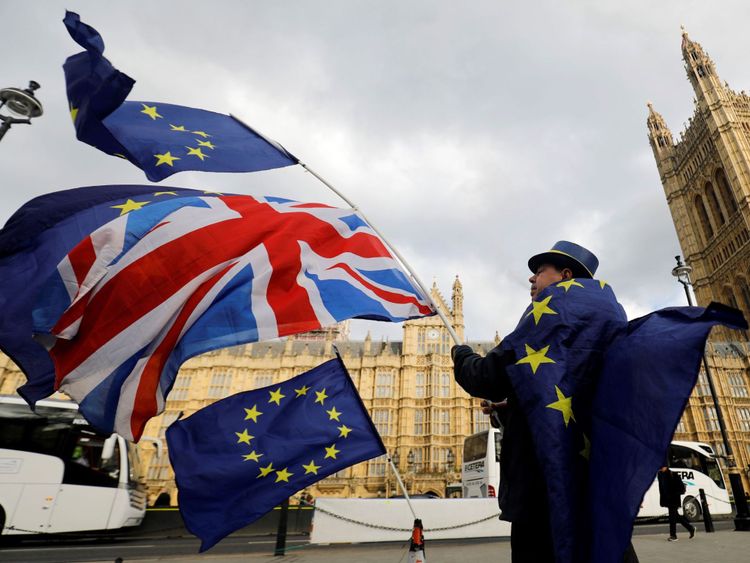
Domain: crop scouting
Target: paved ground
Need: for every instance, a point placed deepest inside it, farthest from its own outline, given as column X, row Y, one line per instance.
column 725, row 546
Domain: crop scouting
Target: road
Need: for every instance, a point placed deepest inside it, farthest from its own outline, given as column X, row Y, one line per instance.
column 650, row 542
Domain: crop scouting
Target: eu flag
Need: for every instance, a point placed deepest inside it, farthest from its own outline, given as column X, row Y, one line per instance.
column 239, row 457
column 602, row 398
column 159, row 138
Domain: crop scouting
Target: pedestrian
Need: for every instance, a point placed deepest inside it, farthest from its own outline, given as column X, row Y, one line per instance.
column 522, row 491
column 671, row 489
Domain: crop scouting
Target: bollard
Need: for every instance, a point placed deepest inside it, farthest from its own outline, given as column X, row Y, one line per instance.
column 416, row 547
column 707, row 520
column 281, row 530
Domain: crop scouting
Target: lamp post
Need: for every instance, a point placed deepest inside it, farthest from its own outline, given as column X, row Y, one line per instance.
column 410, row 463
column 22, row 106
column 395, row 458
column 450, row 458
column 742, row 519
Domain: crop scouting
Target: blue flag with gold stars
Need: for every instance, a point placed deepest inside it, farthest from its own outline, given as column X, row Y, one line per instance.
column 602, row 398
column 159, row 138
column 239, row 457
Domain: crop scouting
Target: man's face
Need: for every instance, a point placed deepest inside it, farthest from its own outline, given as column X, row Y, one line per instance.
column 545, row 275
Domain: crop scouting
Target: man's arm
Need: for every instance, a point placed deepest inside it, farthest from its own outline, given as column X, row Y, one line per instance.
column 482, row 376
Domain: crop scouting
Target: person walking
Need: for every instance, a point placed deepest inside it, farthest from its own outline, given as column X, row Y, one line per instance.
column 671, row 489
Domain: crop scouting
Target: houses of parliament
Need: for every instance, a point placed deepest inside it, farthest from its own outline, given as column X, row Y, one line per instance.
column 408, row 387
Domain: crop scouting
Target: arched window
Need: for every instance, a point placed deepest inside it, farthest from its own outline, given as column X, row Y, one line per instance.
column 730, row 204
column 729, row 298
column 745, row 291
column 708, row 230
column 713, row 201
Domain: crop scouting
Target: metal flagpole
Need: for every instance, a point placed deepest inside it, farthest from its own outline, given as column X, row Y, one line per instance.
column 403, row 488
column 401, row 259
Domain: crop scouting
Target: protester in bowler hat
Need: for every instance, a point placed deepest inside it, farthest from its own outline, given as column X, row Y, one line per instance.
column 522, row 491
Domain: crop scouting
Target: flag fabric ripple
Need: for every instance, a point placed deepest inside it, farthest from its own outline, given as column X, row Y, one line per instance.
column 241, row 456
column 159, row 138
column 182, row 275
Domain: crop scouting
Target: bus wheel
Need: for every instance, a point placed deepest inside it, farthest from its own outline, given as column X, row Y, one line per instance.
column 691, row 508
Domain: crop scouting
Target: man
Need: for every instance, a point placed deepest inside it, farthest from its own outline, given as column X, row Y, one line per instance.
column 671, row 489
column 500, row 376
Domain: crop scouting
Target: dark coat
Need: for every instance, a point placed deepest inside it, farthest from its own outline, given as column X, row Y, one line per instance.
column 522, row 492
column 671, row 489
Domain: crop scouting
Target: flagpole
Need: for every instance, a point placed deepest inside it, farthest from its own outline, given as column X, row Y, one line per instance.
column 351, row 204
column 401, row 259
column 401, row 483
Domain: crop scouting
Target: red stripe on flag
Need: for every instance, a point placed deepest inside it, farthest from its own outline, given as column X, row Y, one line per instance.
column 82, row 258
column 144, row 404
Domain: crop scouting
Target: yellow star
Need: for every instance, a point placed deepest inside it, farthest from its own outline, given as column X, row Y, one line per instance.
column 165, row 193
column 535, row 358
column 166, row 158
column 265, row 470
column 321, row 396
column 276, row 396
column 244, row 437
column 283, row 475
column 252, row 413
column 178, row 127
column 196, row 152
column 540, row 308
column 586, row 451
column 568, row 284
column 129, row 206
column 150, row 111
column 344, row 431
column 331, row 452
column 564, row 405
column 201, row 133
column 311, row 467
column 252, row 456
column 302, row 391
column 333, row 414
column 206, row 144
column 73, row 113
column 212, row 193
column 119, row 155
column 602, row 283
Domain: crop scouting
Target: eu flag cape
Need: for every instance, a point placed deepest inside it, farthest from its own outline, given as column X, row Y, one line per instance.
column 159, row 138
column 602, row 398
column 239, row 457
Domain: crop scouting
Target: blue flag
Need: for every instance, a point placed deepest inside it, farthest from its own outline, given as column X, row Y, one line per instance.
column 239, row 457
column 32, row 243
column 159, row 138
column 602, row 398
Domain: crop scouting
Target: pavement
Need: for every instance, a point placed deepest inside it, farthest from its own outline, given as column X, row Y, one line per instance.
column 724, row 546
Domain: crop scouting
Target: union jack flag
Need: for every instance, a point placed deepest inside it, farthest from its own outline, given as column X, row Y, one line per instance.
column 161, row 284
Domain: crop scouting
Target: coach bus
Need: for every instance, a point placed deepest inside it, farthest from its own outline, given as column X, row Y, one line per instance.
column 58, row 474
column 480, row 469
column 695, row 463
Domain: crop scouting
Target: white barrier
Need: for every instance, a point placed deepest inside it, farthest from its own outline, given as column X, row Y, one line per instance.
column 378, row 520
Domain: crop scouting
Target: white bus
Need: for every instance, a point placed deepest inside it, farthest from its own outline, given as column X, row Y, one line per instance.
column 696, row 463
column 57, row 474
column 480, row 470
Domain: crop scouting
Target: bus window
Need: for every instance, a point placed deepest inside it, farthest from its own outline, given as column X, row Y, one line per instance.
column 712, row 470
column 475, row 447
column 84, row 464
column 685, row 458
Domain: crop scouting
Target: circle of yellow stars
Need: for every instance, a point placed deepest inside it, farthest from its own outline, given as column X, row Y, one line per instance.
column 535, row 358
column 275, row 397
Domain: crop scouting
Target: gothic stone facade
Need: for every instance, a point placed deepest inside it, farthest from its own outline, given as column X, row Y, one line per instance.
column 407, row 387
column 706, row 179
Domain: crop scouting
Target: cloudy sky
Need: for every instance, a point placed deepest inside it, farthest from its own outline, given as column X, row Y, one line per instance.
column 472, row 134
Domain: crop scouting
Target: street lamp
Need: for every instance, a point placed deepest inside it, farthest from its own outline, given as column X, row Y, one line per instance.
column 22, row 106
column 410, row 464
column 742, row 519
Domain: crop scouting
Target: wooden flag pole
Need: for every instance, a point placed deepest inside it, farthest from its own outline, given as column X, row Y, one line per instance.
column 413, row 274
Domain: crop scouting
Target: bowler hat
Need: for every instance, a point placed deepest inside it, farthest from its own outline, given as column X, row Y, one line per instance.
column 566, row 254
